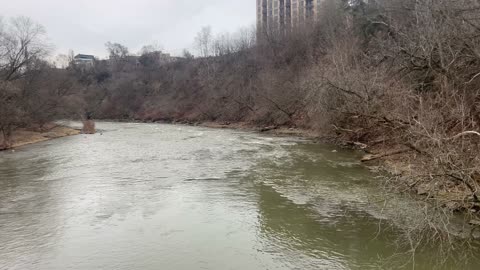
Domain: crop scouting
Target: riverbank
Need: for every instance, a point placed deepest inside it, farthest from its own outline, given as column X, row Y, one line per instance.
column 22, row 137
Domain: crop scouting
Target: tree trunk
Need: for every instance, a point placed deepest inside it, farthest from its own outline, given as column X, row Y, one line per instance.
column 5, row 142
column 88, row 127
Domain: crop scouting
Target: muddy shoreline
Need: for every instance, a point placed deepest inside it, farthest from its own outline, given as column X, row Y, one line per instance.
column 23, row 137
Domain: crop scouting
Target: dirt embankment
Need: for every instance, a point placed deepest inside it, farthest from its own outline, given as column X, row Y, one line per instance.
column 21, row 137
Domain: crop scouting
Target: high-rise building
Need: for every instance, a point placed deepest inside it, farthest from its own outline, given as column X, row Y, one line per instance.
column 284, row 15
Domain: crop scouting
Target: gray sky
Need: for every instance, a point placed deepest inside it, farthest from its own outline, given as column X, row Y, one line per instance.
column 86, row 25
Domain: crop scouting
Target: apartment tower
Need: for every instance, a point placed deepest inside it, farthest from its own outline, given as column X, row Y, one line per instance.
column 283, row 15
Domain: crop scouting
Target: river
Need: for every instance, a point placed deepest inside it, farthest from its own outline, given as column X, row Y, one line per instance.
column 155, row 196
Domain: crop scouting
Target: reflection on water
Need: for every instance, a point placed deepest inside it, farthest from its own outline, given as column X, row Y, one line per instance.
column 147, row 196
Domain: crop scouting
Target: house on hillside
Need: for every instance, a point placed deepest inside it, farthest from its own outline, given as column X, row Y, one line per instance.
column 84, row 60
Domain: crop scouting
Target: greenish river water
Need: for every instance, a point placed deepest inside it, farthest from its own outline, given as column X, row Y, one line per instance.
column 154, row 196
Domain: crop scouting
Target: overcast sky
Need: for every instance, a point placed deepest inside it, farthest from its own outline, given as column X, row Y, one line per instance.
column 86, row 25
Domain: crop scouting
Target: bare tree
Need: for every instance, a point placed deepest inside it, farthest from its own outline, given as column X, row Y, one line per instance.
column 22, row 46
column 244, row 38
column 117, row 51
column 10, row 112
column 21, row 42
column 62, row 61
column 222, row 45
column 118, row 55
column 187, row 54
column 151, row 48
column 151, row 56
column 204, row 41
column 31, row 89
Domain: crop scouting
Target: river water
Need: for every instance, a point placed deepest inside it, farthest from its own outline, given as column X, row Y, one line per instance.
column 154, row 196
